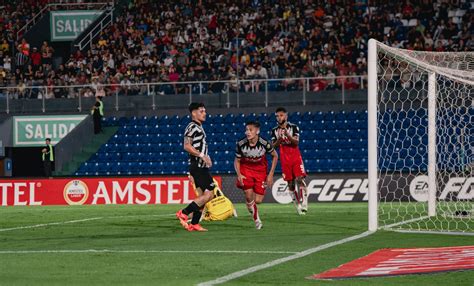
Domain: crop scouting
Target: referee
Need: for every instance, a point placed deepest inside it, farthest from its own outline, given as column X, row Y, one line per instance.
column 199, row 163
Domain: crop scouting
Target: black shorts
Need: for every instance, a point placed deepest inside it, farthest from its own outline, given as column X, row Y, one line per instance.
column 202, row 178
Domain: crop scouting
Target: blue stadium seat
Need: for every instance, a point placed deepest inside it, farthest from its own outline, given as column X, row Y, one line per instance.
column 330, row 142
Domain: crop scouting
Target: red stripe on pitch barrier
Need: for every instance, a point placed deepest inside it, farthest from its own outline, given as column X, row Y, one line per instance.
column 403, row 261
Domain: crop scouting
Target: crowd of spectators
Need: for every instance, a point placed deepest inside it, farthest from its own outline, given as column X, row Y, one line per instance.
column 184, row 40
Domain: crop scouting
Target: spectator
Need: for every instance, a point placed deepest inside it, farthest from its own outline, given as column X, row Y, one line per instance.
column 21, row 88
column 7, row 63
column 24, row 47
column 250, row 73
column 200, row 41
column 21, row 60
column 125, row 85
column 35, row 58
column 47, row 53
column 4, row 46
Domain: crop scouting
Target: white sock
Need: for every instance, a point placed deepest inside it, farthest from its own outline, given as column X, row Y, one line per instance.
column 304, row 192
column 296, row 200
column 250, row 207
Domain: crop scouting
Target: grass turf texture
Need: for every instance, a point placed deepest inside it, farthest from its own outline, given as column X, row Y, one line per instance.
column 453, row 216
column 155, row 228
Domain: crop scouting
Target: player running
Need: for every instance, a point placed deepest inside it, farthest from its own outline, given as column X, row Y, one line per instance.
column 286, row 137
column 199, row 163
column 251, row 167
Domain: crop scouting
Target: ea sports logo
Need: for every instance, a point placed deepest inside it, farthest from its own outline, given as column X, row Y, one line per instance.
column 419, row 188
column 76, row 192
column 280, row 192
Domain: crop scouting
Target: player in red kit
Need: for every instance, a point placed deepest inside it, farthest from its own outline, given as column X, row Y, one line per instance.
column 286, row 137
column 251, row 167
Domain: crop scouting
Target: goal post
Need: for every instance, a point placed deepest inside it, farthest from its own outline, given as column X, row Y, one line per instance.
column 372, row 135
column 432, row 144
column 420, row 140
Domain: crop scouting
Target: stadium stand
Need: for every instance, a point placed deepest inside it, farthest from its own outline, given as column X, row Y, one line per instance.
column 330, row 142
column 156, row 41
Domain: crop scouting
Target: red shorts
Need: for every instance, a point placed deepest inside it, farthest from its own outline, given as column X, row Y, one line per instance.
column 292, row 170
column 253, row 180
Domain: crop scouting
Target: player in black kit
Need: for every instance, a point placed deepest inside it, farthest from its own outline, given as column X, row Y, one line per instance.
column 199, row 163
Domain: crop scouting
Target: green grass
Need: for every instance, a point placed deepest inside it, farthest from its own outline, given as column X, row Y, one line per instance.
column 447, row 219
column 154, row 228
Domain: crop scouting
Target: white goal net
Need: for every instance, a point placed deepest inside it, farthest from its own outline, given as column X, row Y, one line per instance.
column 421, row 140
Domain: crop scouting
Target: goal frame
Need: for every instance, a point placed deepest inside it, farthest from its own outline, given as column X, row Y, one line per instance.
column 373, row 139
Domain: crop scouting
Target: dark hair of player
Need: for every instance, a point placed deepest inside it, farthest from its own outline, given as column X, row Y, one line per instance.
column 280, row 109
column 195, row 105
column 48, row 139
column 253, row 123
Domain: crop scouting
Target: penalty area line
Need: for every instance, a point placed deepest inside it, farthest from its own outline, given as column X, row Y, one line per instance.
column 275, row 262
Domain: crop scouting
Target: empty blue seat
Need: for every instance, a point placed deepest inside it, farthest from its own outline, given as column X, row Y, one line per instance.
column 334, row 141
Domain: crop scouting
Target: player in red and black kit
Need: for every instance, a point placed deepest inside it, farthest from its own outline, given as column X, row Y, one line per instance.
column 286, row 137
column 251, row 167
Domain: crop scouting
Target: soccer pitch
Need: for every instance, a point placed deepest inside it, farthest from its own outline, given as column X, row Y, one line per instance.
column 146, row 245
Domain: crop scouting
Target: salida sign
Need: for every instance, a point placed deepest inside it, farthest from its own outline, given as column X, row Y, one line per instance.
column 97, row 191
column 67, row 25
column 33, row 130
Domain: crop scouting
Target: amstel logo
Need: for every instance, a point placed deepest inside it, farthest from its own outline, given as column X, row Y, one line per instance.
column 76, row 192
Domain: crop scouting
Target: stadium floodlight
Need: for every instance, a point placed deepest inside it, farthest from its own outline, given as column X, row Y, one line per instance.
column 421, row 140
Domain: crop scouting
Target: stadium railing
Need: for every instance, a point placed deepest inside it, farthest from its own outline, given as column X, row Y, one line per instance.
column 156, row 95
column 88, row 39
column 60, row 6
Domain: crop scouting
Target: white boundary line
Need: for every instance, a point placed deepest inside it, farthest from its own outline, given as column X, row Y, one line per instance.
column 387, row 227
column 48, row 224
column 79, row 220
column 431, row 232
column 142, row 251
column 272, row 263
column 123, row 251
column 390, row 228
column 138, row 216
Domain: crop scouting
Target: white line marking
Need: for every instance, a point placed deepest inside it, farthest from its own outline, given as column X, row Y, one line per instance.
column 142, row 251
column 48, row 224
column 431, row 232
column 138, row 216
column 404, row 222
column 272, row 263
column 79, row 220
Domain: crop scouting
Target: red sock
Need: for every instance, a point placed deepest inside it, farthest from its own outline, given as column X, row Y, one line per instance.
column 300, row 194
column 297, row 196
column 255, row 212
